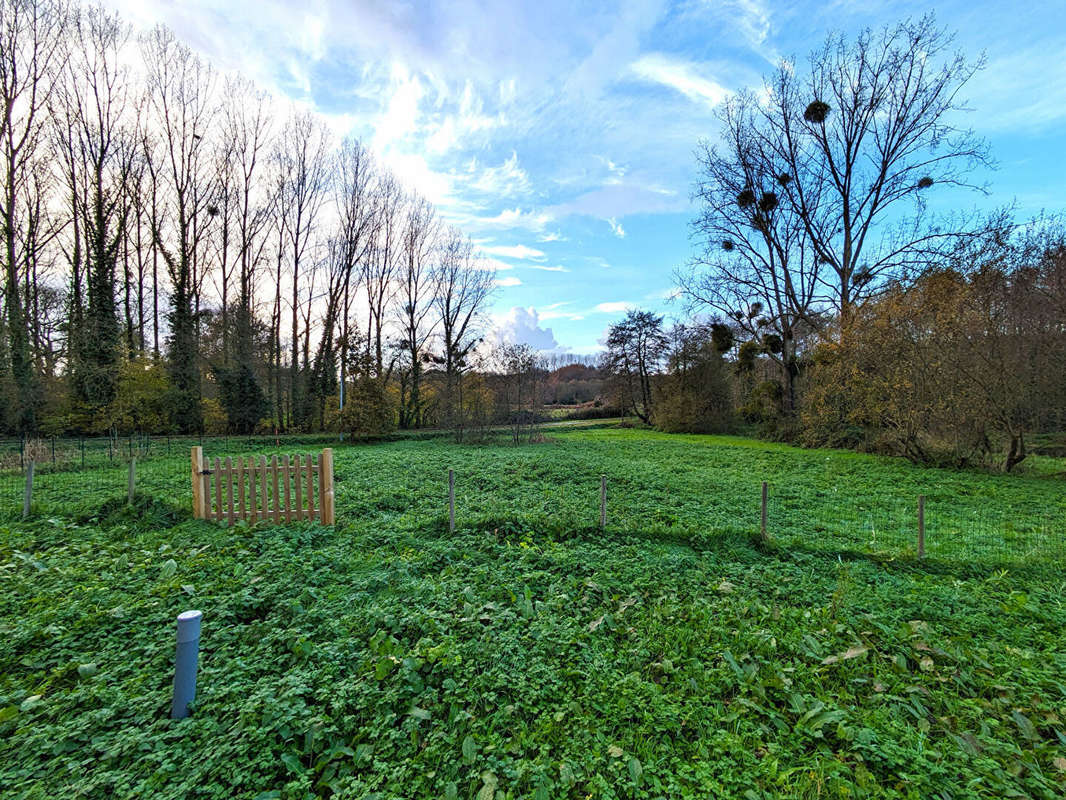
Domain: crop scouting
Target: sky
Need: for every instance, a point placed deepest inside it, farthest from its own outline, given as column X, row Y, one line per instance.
column 560, row 136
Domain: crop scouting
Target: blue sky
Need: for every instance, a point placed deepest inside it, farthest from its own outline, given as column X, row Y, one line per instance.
column 560, row 135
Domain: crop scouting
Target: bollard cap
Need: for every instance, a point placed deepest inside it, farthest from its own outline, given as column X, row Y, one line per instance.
column 189, row 625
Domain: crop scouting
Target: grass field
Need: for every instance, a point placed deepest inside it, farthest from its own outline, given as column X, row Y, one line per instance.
column 532, row 655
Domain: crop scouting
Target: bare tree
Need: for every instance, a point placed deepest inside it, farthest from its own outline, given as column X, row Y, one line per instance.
column 871, row 126
column 357, row 212
column 521, row 371
column 415, row 303
column 463, row 287
column 181, row 104
column 245, row 140
column 757, row 266
column 381, row 268
column 32, row 56
column 99, row 144
column 303, row 170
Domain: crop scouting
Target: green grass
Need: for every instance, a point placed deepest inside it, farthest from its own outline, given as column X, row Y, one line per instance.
column 530, row 654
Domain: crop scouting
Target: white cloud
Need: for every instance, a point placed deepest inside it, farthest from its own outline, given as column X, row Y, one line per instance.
column 493, row 264
column 681, row 76
column 613, row 307
column 510, row 280
column 547, row 269
column 522, row 326
column 519, row 251
column 401, row 116
column 616, row 227
column 506, row 180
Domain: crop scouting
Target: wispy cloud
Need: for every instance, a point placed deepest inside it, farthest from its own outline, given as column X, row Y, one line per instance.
column 613, row 307
column 519, row 251
column 681, row 76
column 506, row 180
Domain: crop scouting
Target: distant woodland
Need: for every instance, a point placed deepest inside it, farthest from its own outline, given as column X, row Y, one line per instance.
column 183, row 254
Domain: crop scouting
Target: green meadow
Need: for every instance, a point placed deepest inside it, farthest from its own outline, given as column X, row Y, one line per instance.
column 532, row 654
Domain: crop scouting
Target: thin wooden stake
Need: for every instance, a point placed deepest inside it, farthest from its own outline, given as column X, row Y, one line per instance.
column 603, row 502
column 27, row 497
column 451, row 501
column 765, row 495
column 132, row 488
column 310, row 488
column 921, row 526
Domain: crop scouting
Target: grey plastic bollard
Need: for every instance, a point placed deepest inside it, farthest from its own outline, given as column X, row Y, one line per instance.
column 185, row 662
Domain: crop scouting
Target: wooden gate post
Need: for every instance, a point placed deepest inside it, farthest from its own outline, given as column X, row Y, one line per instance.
column 198, row 483
column 325, row 487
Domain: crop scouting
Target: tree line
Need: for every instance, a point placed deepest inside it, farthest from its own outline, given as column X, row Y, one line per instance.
column 183, row 254
column 831, row 304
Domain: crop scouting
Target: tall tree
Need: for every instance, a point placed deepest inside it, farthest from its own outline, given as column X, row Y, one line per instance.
column 32, row 56
column 181, row 104
column 756, row 266
column 99, row 147
column 868, row 128
column 245, row 136
column 635, row 348
column 381, row 268
column 357, row 212
column 414, row 301
column 462, row 289
column 303, row 170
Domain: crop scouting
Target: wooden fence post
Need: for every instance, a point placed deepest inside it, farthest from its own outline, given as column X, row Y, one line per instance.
column 325, row 487
column 921, row 526
column 197, row 483
column 603, row 502
column 451, row 501
column 27, row 498
column 131, row 489
column 765, row 497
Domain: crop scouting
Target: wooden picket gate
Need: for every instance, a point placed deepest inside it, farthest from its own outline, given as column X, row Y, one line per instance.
column 300, row 488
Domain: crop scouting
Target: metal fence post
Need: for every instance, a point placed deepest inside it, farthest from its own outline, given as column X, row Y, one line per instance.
column 132, row 480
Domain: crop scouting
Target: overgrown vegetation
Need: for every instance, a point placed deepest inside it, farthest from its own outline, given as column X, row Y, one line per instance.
column 531, row 655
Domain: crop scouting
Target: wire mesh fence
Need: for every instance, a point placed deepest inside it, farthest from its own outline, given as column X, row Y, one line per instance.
column 78, row 478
